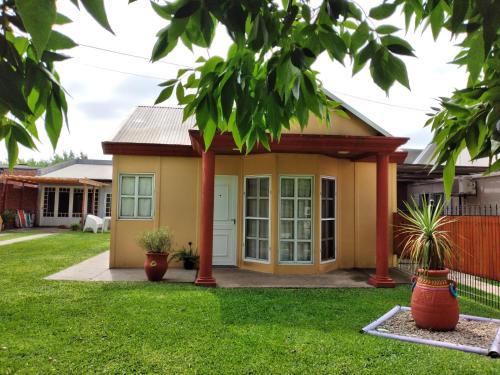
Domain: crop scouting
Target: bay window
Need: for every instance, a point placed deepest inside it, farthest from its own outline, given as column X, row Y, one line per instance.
column 257, row 218
column 136, row 196
column 328, row 202
column 295, row 225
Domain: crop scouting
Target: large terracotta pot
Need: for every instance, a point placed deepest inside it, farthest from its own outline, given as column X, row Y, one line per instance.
column 155, row 265
column 434, row 301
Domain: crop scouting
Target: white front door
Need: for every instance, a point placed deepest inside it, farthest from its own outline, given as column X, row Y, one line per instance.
column 224, row 247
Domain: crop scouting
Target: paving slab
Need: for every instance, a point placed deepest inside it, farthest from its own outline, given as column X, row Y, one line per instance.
column 96, row 269
column 24, row 238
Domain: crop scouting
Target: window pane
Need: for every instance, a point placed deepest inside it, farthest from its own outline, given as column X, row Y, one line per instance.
column 286, row 251
column 263, row 207
column 263, row 228
column 49, row 201
column 127, row 207
column 304, row 189
column 304, row 251
column 251, row 248
column 63, row 210
column 146, row 186
column 304, row 208
column 251, row 207
column 144, row 207
column 264, row 187
column 287, row 187
column 304, row 230
column 263, row 250
column 77, row 202
column 128, row 185
column 328, row 249
column 287, row 208
column 251, row 229
column 252, row 187
column 286, row 229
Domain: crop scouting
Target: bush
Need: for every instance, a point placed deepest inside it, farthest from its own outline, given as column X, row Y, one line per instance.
column 75, row 227
column 156, row 241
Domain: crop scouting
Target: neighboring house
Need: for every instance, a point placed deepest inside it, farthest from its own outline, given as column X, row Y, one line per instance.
column 16, row 195
column 63, row 193
column 472, row 192
column 310, row 206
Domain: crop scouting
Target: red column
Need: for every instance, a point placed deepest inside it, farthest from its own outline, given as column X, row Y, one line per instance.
column 381, row 278
column 205, row 277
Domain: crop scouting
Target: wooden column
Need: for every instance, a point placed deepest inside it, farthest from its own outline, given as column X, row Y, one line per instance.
column 205, row 277
column 84, row 204
column 381, row 278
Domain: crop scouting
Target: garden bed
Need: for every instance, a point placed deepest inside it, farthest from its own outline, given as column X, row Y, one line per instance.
column 472, row 334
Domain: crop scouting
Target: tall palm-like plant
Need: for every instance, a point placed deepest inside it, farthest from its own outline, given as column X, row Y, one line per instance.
column 427, row 245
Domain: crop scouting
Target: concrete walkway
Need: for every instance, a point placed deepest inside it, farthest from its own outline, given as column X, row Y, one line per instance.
column 24, row 238
column 96, row 269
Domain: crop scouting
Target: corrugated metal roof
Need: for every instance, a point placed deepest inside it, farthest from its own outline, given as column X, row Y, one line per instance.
column 159, row 125
column 91, row 171
column 163, row 125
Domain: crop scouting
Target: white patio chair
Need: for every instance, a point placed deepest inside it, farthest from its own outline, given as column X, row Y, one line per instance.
column 94, row 223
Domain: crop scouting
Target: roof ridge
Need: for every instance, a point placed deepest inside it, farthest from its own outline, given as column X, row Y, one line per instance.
column 160, row 106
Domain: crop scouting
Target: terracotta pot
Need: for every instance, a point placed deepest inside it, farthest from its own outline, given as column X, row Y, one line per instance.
column 155, row 265
column 433, row 303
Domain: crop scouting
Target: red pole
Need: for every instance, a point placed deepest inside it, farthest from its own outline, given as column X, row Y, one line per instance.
column 381, row 278
column 205, row 277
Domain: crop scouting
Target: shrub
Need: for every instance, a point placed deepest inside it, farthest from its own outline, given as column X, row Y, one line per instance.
column 156, row 241
column 75, row 227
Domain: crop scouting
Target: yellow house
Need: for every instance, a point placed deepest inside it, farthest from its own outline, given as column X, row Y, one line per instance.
column 321, row 200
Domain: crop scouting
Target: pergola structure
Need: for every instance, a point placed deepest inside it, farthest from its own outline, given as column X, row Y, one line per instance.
column 379, row 149
column 34, row 181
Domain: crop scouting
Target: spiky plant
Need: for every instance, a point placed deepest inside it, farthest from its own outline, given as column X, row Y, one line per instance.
column 427, row 244
column 156, row 241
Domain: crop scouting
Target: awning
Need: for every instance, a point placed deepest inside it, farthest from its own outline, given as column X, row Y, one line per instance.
column 51, row 180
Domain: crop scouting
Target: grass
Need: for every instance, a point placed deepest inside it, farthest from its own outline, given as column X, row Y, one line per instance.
column 96, row 327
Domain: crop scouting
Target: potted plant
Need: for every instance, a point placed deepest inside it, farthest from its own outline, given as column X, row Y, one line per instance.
column 188, row 256
column 433, row 303
column 157, row 245
column 9, row 218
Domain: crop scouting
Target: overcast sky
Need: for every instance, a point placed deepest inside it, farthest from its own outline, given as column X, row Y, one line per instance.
column 105, row 87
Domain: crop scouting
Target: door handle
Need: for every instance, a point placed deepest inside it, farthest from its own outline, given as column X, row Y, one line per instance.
column 234, row 221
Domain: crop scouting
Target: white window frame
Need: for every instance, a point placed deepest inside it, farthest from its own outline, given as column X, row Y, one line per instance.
column 136, row 196
column 329, row 219
column 106, row 195
column 46, row 190
column 295, row 208
column 255, row 260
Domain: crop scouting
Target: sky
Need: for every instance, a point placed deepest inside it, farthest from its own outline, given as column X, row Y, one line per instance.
column 104, row 88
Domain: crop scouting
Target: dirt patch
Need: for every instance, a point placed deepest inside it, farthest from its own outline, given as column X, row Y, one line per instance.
column 468, row 332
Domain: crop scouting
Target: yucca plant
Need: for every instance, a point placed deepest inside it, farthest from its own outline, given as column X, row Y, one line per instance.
column 427, row 245
column 156, row 241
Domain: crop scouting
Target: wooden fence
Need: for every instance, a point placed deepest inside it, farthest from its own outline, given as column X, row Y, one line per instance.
column 477, row 242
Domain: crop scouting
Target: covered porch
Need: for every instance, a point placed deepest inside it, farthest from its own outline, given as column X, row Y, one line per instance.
column 380, row 150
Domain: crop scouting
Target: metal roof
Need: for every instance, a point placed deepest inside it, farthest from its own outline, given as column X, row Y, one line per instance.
column 154, row 124
column 80, row 169
column 163, row 125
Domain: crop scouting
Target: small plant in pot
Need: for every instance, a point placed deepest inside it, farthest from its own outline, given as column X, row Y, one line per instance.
column 157, row 245
column 434, row 299
column 188, row 256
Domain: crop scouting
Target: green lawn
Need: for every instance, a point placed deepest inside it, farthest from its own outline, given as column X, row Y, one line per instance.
column 10, row 235
column 88, row 327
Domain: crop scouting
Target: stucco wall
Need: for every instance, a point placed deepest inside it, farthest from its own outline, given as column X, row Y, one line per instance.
column 177, row 202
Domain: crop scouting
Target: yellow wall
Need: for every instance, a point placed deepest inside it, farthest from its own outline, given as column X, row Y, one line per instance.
column 177, row 192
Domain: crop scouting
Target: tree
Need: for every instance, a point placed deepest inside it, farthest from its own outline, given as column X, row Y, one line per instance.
column 266, row 81
column 29, row 84
column 55, row 159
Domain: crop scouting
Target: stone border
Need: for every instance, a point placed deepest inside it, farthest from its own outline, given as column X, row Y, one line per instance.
column 494, row 350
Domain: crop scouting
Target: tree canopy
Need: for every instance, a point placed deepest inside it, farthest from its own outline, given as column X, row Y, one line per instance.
column 266, row 81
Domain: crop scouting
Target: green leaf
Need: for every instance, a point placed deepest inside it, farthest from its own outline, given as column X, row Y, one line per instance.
column 398, row 70
column 59, row 41
column 20, row 134
column 475, row 58
column 98, row 12
column 437, row 20
column 459, row 11
column 10, row 90
column 38, row 20
column 359, row 37
column 53, row 121
column 164, row 94
column 179, row 92
column 363, row 56
column 188, row 9
column 397, row 45
column 382, row 11
column 449, row 174
column 12, row 150
column 387, row 29
column 61, row 19
column 380, row 70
